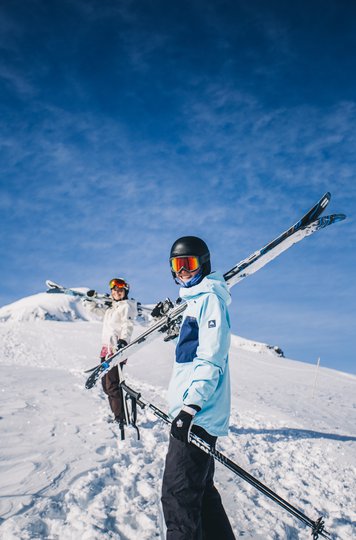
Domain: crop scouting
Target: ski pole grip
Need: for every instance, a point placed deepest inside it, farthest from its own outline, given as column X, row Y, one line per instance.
column 133, row 393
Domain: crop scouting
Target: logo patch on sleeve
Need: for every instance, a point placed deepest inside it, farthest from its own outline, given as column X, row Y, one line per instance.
column 212, row 324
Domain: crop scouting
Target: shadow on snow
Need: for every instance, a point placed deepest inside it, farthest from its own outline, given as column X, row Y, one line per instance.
column 289, row 433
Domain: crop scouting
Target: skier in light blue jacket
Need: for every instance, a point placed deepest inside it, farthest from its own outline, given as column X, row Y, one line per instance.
column 199, row 397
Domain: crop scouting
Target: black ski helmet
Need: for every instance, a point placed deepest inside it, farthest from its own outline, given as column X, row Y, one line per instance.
column 192, row 245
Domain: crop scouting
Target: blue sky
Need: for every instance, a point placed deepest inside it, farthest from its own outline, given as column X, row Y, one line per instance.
column 124, row 125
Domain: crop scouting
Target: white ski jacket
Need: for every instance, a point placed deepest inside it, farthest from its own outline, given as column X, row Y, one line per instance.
column 118, row 323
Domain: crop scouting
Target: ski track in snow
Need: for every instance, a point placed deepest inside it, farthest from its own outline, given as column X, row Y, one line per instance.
column 65, row 473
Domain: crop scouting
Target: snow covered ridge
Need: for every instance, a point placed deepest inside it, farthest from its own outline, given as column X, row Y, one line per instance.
column 255, row 346
column 62, row 307
column 46, row 307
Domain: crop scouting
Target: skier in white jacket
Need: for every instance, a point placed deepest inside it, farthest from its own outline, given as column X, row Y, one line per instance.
column 118, row 326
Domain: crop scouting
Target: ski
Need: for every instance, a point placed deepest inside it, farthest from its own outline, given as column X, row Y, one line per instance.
column 260, row 258
column 307, row 225
column 91, row 296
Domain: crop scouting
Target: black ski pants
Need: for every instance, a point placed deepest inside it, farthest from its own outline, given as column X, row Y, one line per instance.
column 191, row 503
column 111, row 387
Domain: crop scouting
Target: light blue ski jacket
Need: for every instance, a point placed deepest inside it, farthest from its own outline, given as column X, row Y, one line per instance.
column 201, row 371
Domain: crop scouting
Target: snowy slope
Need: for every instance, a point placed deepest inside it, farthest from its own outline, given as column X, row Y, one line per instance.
column 66, row 475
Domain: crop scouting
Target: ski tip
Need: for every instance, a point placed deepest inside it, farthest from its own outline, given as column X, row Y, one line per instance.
column 327, row 195
column 91, row 382
column 324, row 221
column 324, row 201
column 337, row 217
column 51, row 284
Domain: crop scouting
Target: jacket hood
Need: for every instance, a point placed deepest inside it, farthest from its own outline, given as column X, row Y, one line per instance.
column 213, row 283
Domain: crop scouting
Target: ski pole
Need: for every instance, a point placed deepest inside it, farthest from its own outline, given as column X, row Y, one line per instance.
column 317, row 526
column 124, row 404
column 130, row 414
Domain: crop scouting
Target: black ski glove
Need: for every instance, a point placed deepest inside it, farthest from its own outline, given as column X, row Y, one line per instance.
column 182, row 423
column 121, row 343
column 157, row 311
column 161, row 308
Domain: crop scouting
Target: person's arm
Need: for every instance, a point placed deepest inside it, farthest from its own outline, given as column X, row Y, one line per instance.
column 128, row 314
column 92, row 307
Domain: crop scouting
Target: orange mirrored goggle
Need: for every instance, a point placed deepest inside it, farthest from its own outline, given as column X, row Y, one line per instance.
column 190, row 263
column 119, row 283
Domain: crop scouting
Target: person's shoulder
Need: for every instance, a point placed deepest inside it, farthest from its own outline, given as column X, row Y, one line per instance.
column 217, row 286
column 210, row 297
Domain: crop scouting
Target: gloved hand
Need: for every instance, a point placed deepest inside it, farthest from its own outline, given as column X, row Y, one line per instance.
column 161, row 308
column 121, row 343
column 91, row 293
column 180, row 428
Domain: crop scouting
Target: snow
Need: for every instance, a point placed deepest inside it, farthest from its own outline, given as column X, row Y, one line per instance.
column 43, row 306
column 65, row 473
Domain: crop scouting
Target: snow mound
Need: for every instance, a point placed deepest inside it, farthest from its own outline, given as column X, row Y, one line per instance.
column 46, row 307
column 255, row 346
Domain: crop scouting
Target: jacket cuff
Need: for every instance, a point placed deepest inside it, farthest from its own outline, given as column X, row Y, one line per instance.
column 191, row 409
